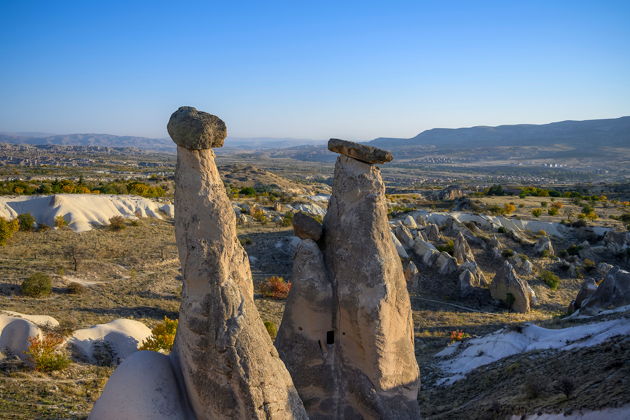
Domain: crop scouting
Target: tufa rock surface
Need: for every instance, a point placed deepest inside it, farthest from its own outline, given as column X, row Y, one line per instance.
column 196, row 130
column 613, row 292
column 306, row 227
column 377, row 371
column 505, row 283
column 365, row 366
column 461, row 250
column 361, row 152
column 302, row 337
column 229, row 365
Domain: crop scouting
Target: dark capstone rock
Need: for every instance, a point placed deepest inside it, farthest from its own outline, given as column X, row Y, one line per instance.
column 306, row 227
column 367, row 154
column 196, row 130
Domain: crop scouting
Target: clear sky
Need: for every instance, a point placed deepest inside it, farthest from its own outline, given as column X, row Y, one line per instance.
column 317, row 69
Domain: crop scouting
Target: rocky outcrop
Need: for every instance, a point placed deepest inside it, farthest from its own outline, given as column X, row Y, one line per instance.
column 432, row 232
column 302, row 339
column 588, row 288
column 470, row 277
column 425, row 250
column 461, row 250
column 404, row 235
column 306, row 227
column 223, row 357
column 410, row 222
column 400, row 249
column 510, row 289
column 446, row 263
column 227, row 360
column 544, row 247
column 411, row 274
column 360, row 152
column 370, row 342
column 613, row 292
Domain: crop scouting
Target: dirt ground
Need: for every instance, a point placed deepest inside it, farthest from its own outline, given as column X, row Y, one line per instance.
column 135, row 274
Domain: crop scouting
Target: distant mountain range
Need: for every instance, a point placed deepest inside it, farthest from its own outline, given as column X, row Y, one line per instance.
column 581, row 136
column 145, row 143
column 613, row 132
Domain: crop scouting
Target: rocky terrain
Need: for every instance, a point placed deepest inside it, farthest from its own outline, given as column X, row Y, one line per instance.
column 485, row 305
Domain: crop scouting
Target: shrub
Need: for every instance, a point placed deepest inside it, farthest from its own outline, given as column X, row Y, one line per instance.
column 543, row 204
column 550, row 279
column 76, row 288
column 501, row 229
column 60, row 222
column 552, row 211
column 448, row 247
column 536, row 212
column 26, row 221
column 275, row 287
column 271, row 329
column 247, row 191
column 534, row 387
column 588, row 264
column 162, row 336
column 45, row 353
column 117, row 223
column 287, row 219
column 574, row 249
column 507, row 253
column 565, row 385
column 7, row 229
column 245, row 240
column 458, row 335
column 509, row 208
column 557, row 205
column 259, row 215
column 37, row 285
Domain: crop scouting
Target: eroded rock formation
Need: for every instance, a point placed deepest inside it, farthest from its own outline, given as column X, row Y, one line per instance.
column 370, row 340
column 229, row 365
column 223, row 363
column 511, row 289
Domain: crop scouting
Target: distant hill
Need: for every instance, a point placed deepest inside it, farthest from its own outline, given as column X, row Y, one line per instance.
column 144, row 143
column 579, row 134
column 105, row 140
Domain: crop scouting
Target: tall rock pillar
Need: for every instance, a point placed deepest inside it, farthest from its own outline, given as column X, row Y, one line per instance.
column 229, row 366
column 360, row 359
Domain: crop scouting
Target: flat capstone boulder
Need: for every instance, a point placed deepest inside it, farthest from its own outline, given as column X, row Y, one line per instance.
column 361, row 152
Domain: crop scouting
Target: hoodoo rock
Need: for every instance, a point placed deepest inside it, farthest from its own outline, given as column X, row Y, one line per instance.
column 223, row 359
column 228, row 362
column 370, row 342
column 360, row 152
column 378, row 372
column 306, row 227
column 510, row 289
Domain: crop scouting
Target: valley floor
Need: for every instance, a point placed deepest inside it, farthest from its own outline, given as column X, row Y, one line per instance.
column 134, row 273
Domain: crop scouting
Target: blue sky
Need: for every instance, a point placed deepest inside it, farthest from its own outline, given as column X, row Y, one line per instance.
column 355, row 70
